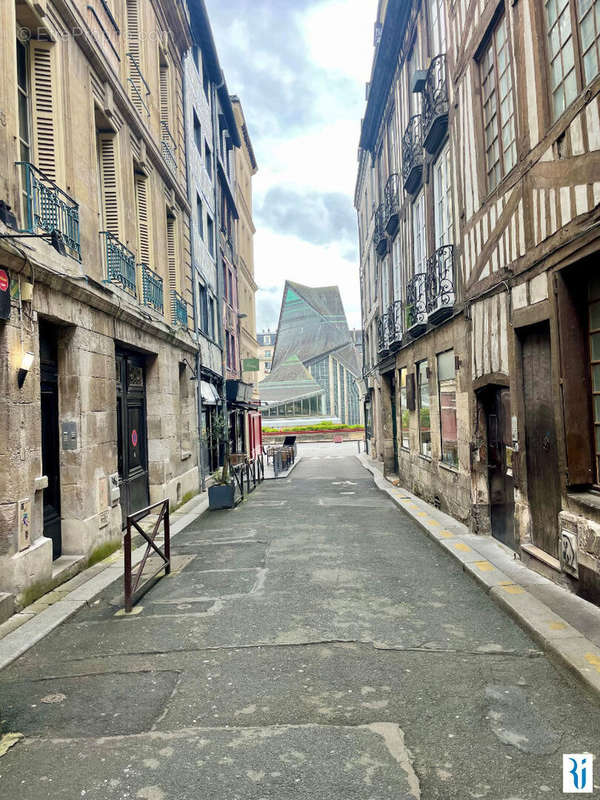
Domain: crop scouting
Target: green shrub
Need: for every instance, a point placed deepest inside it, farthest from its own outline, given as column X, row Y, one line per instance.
column 318, row 427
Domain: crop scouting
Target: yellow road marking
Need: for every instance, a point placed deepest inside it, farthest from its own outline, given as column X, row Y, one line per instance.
column 484, row 566
column 558, row 626
column 447, row 534
column 462, row 546
column 421, row 513
column 512, row 588
column 434, row 523
column 133, row 612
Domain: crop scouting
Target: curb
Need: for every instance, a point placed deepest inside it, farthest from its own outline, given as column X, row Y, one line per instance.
column 561, row 641
column 39, row 625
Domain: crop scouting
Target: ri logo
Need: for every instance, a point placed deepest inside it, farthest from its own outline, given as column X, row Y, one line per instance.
column 578, row 773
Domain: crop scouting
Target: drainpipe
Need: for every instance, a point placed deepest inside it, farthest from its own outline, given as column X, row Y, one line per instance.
column 194, row 286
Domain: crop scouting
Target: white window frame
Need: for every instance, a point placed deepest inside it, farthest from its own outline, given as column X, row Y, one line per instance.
column 419, row 234
column 442, row 199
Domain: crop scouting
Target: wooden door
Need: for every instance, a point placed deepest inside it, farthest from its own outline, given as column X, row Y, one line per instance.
column 50, row 435
column 496, row 403
column 131, row 433
column 543, row 479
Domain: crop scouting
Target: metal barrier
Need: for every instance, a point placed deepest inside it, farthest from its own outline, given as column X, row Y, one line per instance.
column 246, row 477
column 283, row 458
column 133, row 590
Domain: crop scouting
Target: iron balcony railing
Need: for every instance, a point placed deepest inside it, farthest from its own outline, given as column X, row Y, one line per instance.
column 392, row 203
column 435, row 104
column 412, row 154
column 50, row 209
column 120, row 263
column 395, row 323
column 439, row 284
column 168, row 146
column 416, row 304
column 136, row 81
column 383, row 342
column 152, row 289
column 379, row 235
column 179, row 313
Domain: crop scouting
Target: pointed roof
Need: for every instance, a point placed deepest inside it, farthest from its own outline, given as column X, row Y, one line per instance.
column 312, row 323
column 288, row 381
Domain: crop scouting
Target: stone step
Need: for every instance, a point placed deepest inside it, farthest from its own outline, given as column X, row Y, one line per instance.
column 7, row 606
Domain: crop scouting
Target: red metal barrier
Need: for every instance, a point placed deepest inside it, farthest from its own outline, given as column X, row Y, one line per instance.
column 133, row 590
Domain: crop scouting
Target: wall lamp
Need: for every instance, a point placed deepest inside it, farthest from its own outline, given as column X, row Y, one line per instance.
column 26, row 362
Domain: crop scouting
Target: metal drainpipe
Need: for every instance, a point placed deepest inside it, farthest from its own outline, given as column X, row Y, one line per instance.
column 215, row 155
column 194, row 289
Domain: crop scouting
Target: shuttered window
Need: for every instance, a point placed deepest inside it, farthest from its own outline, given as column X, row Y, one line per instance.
column 134, row 50
column 164, row 94
column 172, row 251
column 43, row 103
column 144, row 221
column 109, row 186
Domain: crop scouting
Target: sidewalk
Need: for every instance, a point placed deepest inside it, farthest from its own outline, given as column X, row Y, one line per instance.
column 566, row 626
column 27, row 627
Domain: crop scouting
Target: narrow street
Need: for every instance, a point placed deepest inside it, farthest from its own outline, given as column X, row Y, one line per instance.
column 313, row 643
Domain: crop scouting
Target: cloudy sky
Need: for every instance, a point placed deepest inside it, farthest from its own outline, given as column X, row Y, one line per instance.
column 300, row 68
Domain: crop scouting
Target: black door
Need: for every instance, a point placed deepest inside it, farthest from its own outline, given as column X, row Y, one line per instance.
column 496, row 401
column 543, row 477
column 394, row 423
column 50, row 435
column 131, row 432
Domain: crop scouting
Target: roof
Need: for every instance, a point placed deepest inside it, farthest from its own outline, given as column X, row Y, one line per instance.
column 312, row 323
column 289, row 381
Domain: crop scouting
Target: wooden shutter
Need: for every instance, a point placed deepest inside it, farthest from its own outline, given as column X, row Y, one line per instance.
column 411, row 402
column 133, row 47
column 43, row 104
column 107, row 144
column 164, row 94
column 172, row 252
column 143, row 219
column 575, row 383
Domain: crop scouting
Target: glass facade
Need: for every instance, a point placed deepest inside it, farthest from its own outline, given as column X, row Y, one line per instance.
column 320, row 372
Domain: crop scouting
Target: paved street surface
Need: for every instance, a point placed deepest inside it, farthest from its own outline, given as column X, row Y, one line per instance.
column 315, row 644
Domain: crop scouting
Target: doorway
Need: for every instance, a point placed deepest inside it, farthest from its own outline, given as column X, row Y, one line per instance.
column 132, row 444
column 394, row 421
column 50, row 434
column 543, row 478
column 496, row 404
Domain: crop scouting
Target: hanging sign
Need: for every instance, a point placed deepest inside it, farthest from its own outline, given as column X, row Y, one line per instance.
column 4, row 294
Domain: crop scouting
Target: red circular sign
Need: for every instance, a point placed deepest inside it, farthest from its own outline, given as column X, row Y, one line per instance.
column 134, row 437
column 3, row 281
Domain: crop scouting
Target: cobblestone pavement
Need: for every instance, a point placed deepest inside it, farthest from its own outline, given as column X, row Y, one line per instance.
column 312, row 643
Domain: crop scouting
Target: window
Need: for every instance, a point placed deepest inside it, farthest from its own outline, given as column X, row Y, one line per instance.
column 561, row 47
column 267, row 366
column 419, row 245
column 423, row 407
column 196, row 56
column 414, row 98
column 447, row 395
column 228, row 348
column 106, row 147
column 208, row 160
column 268, row 353
column 24, row 107
column 144, row 222
column 172, row 252
column 203, row 308
column 205, row 81
column 594, row 308
column 198, row 133
column 385, row 283
column 210, row 235
column 437, row 28
column 588, row 17
column 200, row 216
column 442, row 199
column 498, row 105
column 404, row 437
column 267, row 340
column 211, row 319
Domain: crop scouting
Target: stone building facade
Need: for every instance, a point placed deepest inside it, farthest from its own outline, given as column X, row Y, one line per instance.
column 97, row 261
column 477, row 199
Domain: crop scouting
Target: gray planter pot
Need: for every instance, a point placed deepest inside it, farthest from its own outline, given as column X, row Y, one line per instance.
column 220, row 496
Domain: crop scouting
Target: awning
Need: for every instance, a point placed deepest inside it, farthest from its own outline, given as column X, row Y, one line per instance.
column 210, row 396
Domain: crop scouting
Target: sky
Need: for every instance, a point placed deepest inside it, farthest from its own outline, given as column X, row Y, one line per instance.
column 299, row 68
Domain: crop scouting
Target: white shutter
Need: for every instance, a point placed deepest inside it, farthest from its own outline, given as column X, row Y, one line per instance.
column 109, row 183
column 134, row 48
column 172, row 252
column 43, row 104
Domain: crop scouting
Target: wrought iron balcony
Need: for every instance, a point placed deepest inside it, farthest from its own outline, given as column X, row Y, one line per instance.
column 439, row 284
column 381, row 242
column 416, row 305
column 435, row 104
column 50, row 209
column 152, row 289
column 138, row 85
column 392, row 204
column 168, row 147
column 179, row 313
column 395, row 324
column 120, row 263
column 383, row 342
column 412, row 154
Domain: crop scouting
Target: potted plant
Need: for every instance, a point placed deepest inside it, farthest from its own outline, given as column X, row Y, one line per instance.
column 221, row 493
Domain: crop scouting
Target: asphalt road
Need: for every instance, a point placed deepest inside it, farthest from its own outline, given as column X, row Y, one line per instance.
column 311, row 644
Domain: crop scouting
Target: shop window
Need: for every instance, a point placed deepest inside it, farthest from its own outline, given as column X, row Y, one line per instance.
column 424, row 409
column 404, row 436
column 447, row 396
